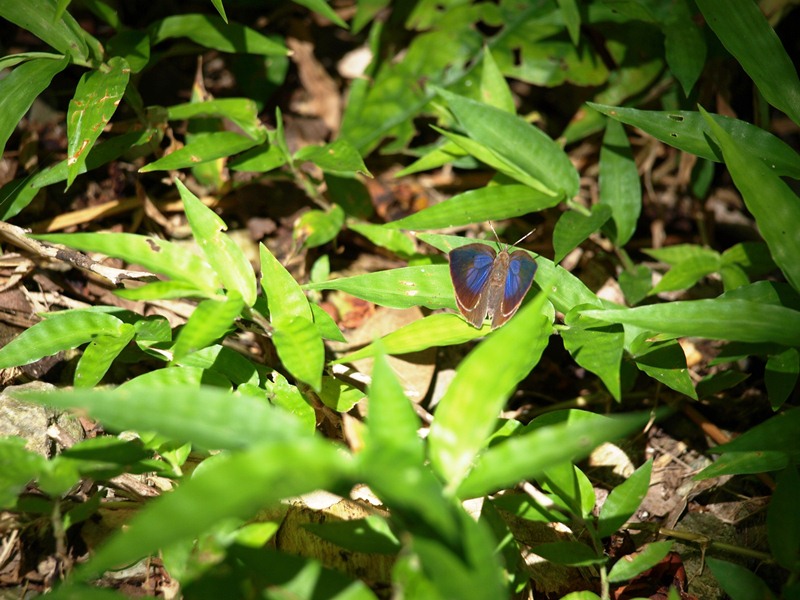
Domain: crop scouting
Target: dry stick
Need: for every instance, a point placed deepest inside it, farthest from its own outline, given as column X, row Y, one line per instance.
column 107, row 209
column 19, row 238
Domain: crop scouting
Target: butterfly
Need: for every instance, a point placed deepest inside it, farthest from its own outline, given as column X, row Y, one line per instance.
column 489, row 283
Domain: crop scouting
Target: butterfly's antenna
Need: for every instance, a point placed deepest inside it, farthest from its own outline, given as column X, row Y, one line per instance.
column 499, row 243
column 523, row 237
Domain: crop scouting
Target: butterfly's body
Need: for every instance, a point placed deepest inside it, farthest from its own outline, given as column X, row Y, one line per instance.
column 488, row 283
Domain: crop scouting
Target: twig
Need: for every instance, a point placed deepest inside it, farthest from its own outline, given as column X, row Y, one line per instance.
column 19, row 238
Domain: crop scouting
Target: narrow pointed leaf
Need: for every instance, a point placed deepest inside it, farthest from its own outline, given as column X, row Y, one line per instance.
column 211, row 320
column 689, row 131
column 158, row 256
column 95, row 100
column 484, row 380
column 427, row 285
column 20, row 88
column 212, row 32
column 491, row 203
column 58, row 332
column 530, row 454
column 222, row 253
column 712, row 319
column 517, row 141
column 747, row 35
column 99, row 354
column 619, row 182
column 772, row 202
column 39, row 17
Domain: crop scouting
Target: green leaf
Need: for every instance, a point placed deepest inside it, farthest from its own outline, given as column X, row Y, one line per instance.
column 326, row 326
column 516, row 141
column 285, row 296
column 491, row 203
column 744, row 31
column 483, row 153
column 427, row 285
column 684, row 45
column 99, row 155
column 576, row 554
column 666, row 362
column 300, row 348
column 273, row 471
column 286, row 396
column 260, row 159
column 598, row 349
column 645, row 558
column 321, row 7
column 338, row 395
column 99, row 354
column 212, row 32
column 530, row 454
column 774, row 205
column 484, row 380
column 159, row 256
column 222, row 253
column 583, row 596
column 780, row 376
column 494, row 87
column 391, row 239
column 689, row 131
column 783, row 524
column 572, row 228
column 690, row 263
column 225, row 361
column 242, row 111
column 161, row 290
column 339, row 157
column 636, row 283
column 297, row 340
column 370, row 534
column 619, row 182
column 365, row 11
column 60, row 331
column 183, row 376
column 572, row 19
column 204, row 147
column 392, row 424
column 624, row 500
column 220, row 9
column 208, row 417
column 133, row 46
column 318, row 227
column 20, row 88
column 39, row 18
column 18, row 467
column 211, row 320
column 775, row 434
column 744, row 463
column 95, row 100
column 431, row 331
column 755, row 321
column 738, row 582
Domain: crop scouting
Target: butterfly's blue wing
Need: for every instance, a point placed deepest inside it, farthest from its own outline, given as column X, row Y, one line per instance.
column 519, row 277
column 470, row 268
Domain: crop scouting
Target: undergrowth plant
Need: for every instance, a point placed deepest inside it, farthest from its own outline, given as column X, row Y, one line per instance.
column 253, row 427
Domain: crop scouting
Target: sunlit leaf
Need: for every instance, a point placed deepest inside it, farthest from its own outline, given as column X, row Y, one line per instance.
column 95, row 100
column 20, row 88
column 59, row 332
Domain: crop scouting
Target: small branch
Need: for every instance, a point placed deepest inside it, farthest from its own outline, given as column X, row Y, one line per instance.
column 19, row 238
